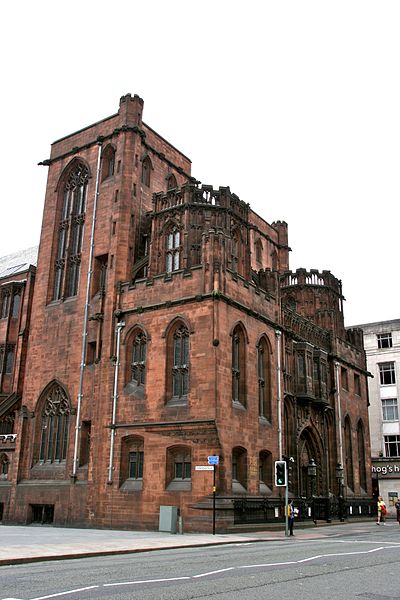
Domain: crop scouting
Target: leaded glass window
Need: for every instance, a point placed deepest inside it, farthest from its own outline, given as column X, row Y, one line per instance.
column 70, row 234
column 138, row 366
column 54, row 432
column 180, row 368
column 173, row 250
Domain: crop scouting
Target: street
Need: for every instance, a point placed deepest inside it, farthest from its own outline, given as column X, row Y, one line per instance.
column 359, row 561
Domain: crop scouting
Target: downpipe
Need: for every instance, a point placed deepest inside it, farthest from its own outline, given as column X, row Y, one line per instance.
column 120, row 326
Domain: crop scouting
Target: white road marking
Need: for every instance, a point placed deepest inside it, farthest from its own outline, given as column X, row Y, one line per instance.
column 213, row 572
column 91, row 587
column 209, row 573
column 136, row 582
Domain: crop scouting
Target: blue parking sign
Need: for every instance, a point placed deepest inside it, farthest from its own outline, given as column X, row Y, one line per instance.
column 213, row 460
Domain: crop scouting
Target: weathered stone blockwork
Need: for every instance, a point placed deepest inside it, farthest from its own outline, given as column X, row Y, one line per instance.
column 197, row 337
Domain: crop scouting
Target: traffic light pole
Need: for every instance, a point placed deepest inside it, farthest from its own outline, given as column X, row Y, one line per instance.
column 286, row 504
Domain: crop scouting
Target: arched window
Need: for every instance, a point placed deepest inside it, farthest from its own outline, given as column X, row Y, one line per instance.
column 146, row 171
column 178, row 363
column 235, row 249
column 238, row 366
column 264, row 378
column 171, row 182
column 54, row 431
column 16, row 303
column 265, row 472
column 239, row 469
column 132, row 463
column 70, row 234
column 361, row 456
column 9, row 361
column 108, row 163
column 173, row 250
column 139, row 351
column 348, row 454
column 259, row 250
column 179, row 468
column 5, row 305
column 4, row 466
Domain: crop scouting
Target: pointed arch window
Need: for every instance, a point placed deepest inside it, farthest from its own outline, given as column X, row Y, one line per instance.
column 349, row 454
column 5, row 305
column 70, row 233
column 4, row 466
column 54, row 427
column 171, row 182
column 361, row 456
column 139, row 352
column 238, row 366
column 173, row 250
column 108, row 165
column 16, row 303
column 264, row 379
column 178, row 363
column 146, row 171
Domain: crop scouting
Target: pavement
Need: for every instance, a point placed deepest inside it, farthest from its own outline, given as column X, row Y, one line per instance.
column 23, row 544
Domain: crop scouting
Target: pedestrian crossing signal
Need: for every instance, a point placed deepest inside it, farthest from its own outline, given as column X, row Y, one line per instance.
column 280, row 473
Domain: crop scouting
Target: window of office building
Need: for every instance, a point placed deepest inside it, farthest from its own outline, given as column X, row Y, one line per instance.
column 387, row 374
column 392, row 445
column 384, row 340
column 390, row 409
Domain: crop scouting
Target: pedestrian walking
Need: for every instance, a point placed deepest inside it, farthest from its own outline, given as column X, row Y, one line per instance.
column 397, row 506
column 381, row 511
column 290, row 511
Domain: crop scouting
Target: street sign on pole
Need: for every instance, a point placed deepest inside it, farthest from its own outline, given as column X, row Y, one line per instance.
column 213, row 460
column 204, row 468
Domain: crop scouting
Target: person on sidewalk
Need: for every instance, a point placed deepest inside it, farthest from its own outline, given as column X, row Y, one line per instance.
column 381, row 511
column 397, row 506
column 290, row 509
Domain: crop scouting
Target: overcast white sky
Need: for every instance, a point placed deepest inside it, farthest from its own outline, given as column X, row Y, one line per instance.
column 293, row 104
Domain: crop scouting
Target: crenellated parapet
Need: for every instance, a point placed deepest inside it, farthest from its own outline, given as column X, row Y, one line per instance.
column 201, row 196
column 316, row 295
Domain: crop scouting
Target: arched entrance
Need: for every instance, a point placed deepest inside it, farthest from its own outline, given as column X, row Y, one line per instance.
column 309, row 450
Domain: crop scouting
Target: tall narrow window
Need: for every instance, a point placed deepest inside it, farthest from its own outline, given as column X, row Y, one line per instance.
column 70, row 235
column 54, row 433
column 238, row 366
column 171, row 182
column 234, row 253
column 349, row 454
column 180, row 369
column 135, row 469
column 264, row 379
column 138, row 366
column 16, row 303
column 173, row 250
column 361, row 456
column 108, row 164
column 5, row 305
column 9, row 361
column 4, row 466
column 146, row 171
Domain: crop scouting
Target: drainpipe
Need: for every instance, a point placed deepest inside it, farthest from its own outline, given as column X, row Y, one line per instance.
column 339, row 415
column 120, row 326
column 278, row 335
column 85, row 320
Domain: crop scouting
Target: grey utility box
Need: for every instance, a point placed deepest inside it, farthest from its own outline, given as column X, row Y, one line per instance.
column 168, row 518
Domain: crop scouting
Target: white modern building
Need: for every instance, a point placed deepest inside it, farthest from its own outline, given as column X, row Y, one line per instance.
column 382, row 347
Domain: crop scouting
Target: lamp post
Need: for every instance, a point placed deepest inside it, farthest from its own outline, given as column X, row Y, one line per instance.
column 340, row 480
column 312, row 475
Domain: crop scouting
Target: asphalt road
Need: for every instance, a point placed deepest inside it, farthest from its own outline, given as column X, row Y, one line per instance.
column 362, row 565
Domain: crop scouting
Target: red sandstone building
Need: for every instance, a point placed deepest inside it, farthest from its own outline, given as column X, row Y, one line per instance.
column 166, row 327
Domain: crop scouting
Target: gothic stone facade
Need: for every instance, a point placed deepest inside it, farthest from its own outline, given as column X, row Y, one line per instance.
column 191, row 340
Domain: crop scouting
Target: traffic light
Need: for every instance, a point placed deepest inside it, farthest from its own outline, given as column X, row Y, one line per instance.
column 280, row 473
